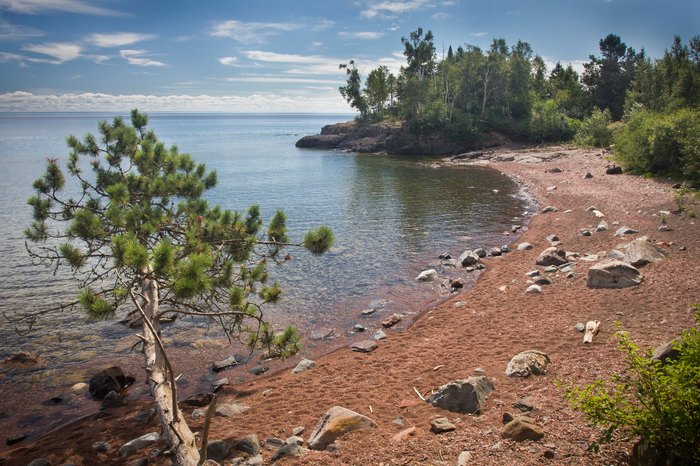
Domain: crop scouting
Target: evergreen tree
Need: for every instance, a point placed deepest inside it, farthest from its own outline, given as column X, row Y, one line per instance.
column 352, row 91
column 140, row 233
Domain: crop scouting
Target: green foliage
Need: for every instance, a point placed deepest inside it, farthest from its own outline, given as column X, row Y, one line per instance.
column 660, row 143
column 319, row 241
column 595, row 130
column 549, row 124
column 659, row 402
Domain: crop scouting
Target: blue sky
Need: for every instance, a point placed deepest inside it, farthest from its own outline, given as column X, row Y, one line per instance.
column 279, row 55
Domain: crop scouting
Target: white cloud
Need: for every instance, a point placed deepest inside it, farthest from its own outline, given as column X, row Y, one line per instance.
column 361, row 35
column 252, row 32
column 228, row 61
column 272, row 57
column 9, row 31
column 33, row 7
column 392, row 9
column 137, row 58
column 440, row 16
column 60, row 51
column 312, row 100
column 478, row 34
column 329, row 67
column 118, row 39
column 577, row 65
column 281, row 80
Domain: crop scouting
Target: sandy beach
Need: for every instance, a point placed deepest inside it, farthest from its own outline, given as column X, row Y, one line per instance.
column 474, row 332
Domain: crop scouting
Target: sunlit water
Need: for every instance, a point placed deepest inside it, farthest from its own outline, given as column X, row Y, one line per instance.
column 391, row 217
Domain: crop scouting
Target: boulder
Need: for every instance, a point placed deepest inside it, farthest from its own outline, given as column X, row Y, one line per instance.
column 602, row 226
column 218, row 450
column 464, row 458
column 622, row 231
column 524, row 246
column 463, row 396
column 613, row 274
column 468, row 258
column 364, row 346
column 528, row 362
column 336, row 422
column 440, row 425
column 534, row 289
column 391, row 321
column 614, row 170
column 521, row 429
column 552, row 256
column 135, row 445
column 288, row 450
column 248, row 444
column 230, row 409
column 641, row 252
column 480, row 252
column 304, row 365
column 21, row 359
column 107, row 380
column 427, row 275
column 667, row 351
column 231, row 361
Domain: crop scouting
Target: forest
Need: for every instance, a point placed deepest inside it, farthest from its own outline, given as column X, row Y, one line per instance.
column 646, row 109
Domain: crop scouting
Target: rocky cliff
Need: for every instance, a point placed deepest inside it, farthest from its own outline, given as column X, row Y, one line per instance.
column 385, row 137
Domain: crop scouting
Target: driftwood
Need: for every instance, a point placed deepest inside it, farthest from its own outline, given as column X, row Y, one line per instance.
column 591, row 330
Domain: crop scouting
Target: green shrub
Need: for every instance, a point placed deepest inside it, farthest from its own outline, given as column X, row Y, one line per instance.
column 549, row 124
column 596, row 129
column 659, row 402
column 661, row 144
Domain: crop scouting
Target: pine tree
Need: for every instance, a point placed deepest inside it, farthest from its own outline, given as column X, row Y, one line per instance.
column 140, row 232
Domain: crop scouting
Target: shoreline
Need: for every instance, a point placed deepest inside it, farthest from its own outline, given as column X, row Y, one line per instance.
column 495, row 321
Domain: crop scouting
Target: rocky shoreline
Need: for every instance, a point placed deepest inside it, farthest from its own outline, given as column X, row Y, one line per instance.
column 385, row 137
column 477, row 334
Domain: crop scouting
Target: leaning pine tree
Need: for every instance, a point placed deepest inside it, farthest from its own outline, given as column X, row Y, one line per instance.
column 138, row 233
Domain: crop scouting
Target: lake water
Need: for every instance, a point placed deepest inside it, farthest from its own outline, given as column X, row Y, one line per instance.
column 391, row 217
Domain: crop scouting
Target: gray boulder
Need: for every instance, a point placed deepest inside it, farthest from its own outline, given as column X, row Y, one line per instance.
column 641, row 252
column 336, row 422
column 468, row 258
column 463, row 396
column 218, row 450
column 427, row 275
column 622, row 231
column 528, row 362
column 133, row 446
column 613, row 274
column 304, row 365
column 552, row 256
column 521, row 429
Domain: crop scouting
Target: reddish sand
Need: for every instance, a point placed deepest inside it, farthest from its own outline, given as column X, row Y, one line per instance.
column 480, row 328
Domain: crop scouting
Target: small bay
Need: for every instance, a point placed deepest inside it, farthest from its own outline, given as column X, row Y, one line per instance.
column 392, row 217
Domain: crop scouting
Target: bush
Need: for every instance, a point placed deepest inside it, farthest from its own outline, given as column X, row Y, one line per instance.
column 549, row 124
column 659, row 402
column 596, row 129
column 661, row 144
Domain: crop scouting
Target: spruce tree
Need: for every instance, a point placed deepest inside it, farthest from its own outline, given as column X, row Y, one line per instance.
column 139, row 233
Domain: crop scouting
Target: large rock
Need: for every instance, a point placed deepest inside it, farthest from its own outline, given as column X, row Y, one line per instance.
column 667, row 351
column 613, row 274
column 641, row 252
column 463, row 396
column 218, row 450
column 304, row 365
column 108, row 380
column 135, row 445
column 231, row 409
column 336, row 422
column 427, row 275
column 468, row 258
column 552, row 256
column 231, row 361
column 528, row 362
column 521, row 429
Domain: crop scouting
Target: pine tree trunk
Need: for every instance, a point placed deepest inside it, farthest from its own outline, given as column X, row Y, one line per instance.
column 176, row 431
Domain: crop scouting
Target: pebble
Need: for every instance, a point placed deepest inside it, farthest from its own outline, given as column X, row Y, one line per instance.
column 441, row 425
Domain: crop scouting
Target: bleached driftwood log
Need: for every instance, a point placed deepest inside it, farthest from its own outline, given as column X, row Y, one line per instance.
column 591, row 330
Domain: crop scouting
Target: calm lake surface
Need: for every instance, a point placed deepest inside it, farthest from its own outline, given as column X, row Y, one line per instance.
column 391, row 216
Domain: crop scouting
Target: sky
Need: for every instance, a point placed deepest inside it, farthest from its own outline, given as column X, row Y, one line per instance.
column 243, row 56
